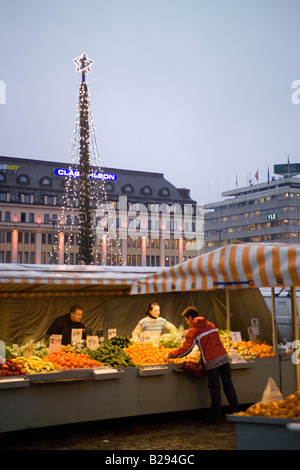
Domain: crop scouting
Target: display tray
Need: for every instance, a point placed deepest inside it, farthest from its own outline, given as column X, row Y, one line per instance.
column 62, row 375
column 16, row 381
column 147, row 371
column 242, row 365
column 107, row 374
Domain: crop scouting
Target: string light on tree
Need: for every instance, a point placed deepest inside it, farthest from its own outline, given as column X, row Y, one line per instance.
column 84, row 194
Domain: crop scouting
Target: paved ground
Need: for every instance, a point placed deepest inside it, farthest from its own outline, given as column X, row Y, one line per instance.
column 175, row 431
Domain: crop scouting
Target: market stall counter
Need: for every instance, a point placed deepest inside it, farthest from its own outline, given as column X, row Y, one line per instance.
column 71, row 396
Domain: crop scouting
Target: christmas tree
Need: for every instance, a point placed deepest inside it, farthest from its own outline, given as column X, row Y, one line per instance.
column 83, row 193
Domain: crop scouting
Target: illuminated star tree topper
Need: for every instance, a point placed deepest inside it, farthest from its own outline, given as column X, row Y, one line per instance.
column 83, row 64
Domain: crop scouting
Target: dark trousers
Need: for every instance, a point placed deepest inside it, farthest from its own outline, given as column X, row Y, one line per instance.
column 214, row 375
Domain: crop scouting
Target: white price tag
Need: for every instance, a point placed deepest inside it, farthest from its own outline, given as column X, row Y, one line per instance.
column 111, row 333
column 255, row 326
column 235, row 336
column 76, row 335
column 145, row 337
column 252, row 337
column 54, row 343
column 92, row 342
column 28, row 350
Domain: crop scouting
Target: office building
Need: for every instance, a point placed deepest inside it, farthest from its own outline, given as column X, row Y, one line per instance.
column 263, row 212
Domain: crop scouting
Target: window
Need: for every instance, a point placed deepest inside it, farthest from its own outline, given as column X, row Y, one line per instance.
column 146, row 190
column 23, row 217
column 109, row 187
column 23, row 179
column 7, row 216
column 31, row 217
column 164, row 192
column 2, row 177
column 45, row 181
column 127, row 188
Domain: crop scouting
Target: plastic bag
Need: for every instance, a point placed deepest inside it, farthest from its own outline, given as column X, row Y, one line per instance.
column 236, row 358
column 271, row 392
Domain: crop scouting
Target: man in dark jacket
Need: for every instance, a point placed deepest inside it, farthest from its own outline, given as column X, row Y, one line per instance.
column 65, row 324
column 205, row 335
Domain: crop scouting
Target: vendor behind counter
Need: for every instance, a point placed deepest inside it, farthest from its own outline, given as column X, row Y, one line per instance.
column 152, row 324
column 65, row 324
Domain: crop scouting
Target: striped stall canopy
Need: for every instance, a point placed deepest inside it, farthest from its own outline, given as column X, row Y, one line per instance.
column 24, row 280
column 232, row 266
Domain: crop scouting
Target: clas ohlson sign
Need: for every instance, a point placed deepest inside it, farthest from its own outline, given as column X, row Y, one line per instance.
column 98, row 175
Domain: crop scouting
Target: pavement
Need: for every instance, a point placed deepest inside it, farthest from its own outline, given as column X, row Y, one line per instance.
column 181, row 431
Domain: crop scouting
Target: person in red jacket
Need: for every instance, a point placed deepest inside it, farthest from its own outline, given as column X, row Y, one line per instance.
column 215, row 360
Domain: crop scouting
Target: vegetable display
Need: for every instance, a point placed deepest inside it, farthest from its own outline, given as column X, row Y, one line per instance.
column 70, row 360
column 119, row 351
column 111, row 355
column 11, row 367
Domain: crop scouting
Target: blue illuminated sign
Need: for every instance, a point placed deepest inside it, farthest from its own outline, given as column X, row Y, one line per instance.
column 98, row 175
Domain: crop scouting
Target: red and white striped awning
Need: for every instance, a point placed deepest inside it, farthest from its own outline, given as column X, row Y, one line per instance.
column 25, row 280
column 232, row 266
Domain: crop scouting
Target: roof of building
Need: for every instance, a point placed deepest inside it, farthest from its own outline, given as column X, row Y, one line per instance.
column 36, row 175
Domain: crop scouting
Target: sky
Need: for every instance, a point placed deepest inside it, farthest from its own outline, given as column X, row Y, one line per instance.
column 199, row 90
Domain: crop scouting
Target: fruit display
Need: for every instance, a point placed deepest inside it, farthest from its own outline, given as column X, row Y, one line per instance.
column 34, row 364
column 246, row 349
column 143, row 354
column 288, row 408
column 71, row 360
column 11, row 368
column 110, row 355
column 254, row 348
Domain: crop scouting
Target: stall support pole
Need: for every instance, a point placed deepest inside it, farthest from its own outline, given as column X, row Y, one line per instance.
column 227, row 310
column 274, row 329
column 296, row 332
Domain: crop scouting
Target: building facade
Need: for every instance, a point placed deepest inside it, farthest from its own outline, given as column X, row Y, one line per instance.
column 266, row 212
column 156, row 224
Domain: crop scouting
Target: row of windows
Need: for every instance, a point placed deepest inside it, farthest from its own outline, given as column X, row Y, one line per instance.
column 46, row 258
column 242, row 228
column 46, row 181
column 258, row 213
column 261, row 200
column 255, row 239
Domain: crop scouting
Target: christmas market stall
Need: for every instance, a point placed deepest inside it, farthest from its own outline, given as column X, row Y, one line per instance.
column 114, row 299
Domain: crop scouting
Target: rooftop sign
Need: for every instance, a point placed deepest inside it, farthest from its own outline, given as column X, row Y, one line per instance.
column 98, row 175
column 287, row 169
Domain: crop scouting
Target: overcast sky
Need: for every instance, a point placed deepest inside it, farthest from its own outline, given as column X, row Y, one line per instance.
column 200, row 90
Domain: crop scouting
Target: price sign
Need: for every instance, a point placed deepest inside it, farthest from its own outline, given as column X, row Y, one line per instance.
column 255, row 326
column 54, row 343
column 92, row 342
column 235, row 336
column 252, row 336
column 76, row 335
column 111, row 333
column 145, row 337
column 28, row 350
